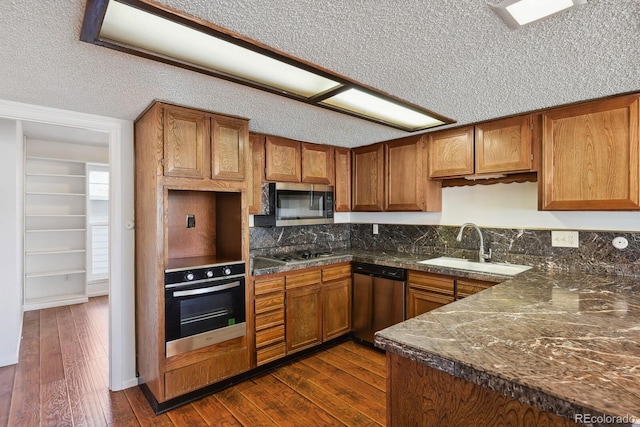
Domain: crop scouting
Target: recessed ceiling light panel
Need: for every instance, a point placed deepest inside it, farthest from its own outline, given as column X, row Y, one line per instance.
column 517, row 13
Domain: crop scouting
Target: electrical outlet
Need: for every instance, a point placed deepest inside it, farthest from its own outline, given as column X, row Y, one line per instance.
column 565, row 239
column 375, row 228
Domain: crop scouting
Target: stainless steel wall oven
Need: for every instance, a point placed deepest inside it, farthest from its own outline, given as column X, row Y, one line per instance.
column 204, row 306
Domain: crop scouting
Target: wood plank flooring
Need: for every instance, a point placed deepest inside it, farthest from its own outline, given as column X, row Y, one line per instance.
column 62, row 380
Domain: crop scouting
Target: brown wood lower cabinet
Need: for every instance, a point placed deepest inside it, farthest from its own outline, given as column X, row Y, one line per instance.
column 336, row 301
column 269, row 320
column 467, row 287
column 427, row 291
column 209, row 366
column 301, row 309
column 418, row 395
column 304, row 318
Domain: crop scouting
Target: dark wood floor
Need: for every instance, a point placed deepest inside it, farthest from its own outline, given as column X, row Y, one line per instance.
column 62, row 380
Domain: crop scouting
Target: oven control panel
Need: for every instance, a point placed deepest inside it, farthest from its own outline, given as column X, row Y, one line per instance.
column 203, row 273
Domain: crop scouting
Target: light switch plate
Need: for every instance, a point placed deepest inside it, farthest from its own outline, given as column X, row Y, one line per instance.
column 565, row 239
column 375, row 228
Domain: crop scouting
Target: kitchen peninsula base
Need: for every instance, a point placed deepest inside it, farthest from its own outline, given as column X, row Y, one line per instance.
column 424, row 396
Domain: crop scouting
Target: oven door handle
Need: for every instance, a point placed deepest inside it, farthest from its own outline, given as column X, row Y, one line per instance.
column 208, row 290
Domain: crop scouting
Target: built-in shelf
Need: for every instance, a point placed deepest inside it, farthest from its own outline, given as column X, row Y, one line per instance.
column 56, row 230
column 56, row 216
column 57, row 160
column 43, row 193
column 55, row 207
column 61, row 251
column 55, row 175
column 56, row 273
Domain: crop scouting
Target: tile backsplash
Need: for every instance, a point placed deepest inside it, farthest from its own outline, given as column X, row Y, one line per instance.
column 595, row 254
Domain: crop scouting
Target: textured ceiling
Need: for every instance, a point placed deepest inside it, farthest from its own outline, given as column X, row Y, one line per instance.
column 454, row 57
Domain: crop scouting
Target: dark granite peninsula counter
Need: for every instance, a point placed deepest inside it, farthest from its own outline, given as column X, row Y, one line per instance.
column 542, row 348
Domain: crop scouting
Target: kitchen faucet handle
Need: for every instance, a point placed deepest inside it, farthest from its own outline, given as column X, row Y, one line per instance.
column 487, row 256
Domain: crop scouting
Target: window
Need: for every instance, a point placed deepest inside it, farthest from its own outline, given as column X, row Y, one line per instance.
column 98, row 222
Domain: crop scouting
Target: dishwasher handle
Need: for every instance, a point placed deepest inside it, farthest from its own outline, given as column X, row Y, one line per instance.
column 393, row 273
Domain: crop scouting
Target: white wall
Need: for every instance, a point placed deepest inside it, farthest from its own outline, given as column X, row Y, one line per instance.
column 502, row 206
column 11, row 259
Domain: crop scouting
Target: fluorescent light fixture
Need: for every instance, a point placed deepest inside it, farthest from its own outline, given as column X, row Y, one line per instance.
column 153, row 31
column 360, row 102
column 517, row 13
column 135, row 27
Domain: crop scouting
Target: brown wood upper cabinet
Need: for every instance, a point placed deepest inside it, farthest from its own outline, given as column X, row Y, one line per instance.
column 282, row 157
column 406, row 185
column 392, row 176
column 317, row 164
column 342, row 197
column 499, row 146
column 255, row 173
column 229, row 138
column 198, row 144
column 294, row 161
column 368, row 178
column 590, row 157
column 186, row 135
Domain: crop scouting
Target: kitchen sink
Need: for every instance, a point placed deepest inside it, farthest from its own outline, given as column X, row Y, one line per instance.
column 482, row 267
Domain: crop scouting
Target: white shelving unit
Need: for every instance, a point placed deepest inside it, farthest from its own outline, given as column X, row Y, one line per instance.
column 55, row 232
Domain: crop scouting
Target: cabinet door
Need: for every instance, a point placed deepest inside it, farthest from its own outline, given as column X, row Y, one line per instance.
column 504, row 145
column 255, row 174
column 467, row 287
column 406, row 185
column 282, row 158
column 336, row 300
column 420, row 301
column 303, row 318
column 590, row 156
column 317, row 164
column 228, row 147
column 342, row 198
column 186, row 142
column 368, row 178
column 451, row 153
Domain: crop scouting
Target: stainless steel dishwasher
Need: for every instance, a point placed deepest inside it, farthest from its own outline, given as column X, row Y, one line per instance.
column 378, row 298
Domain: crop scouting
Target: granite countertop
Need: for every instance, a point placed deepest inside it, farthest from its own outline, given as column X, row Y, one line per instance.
column 567, row 343
column 261, row 267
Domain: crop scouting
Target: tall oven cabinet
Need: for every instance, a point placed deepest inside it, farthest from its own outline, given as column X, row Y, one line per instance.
column 191, row 221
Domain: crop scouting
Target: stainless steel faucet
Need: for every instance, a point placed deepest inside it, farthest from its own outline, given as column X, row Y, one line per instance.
column 482, row 257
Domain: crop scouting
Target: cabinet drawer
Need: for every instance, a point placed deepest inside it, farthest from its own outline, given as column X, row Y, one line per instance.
column 271, row 353
column 269, row 336
column 265, row 286
column 464, row 288
column 430, row 282
column 269, row 319
column 303, row 279
column 336, row 272
column 269, row 302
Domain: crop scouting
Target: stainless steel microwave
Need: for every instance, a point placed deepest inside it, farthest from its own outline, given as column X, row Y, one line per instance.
column 297, row 204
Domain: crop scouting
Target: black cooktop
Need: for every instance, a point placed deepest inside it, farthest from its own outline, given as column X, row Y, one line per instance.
column 290, row 257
